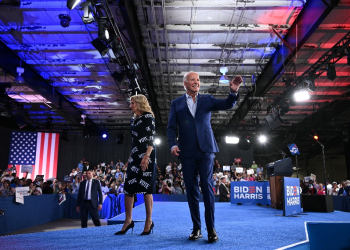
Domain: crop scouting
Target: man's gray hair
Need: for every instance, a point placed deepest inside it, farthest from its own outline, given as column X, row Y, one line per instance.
column 185, row 78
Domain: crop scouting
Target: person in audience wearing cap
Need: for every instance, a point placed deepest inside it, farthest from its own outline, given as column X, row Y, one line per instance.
column 223, row 190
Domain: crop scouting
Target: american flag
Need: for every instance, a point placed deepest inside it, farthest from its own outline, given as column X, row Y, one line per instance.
column 39, row 150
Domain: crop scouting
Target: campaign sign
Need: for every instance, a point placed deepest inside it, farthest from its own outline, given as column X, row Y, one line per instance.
column 249, row 192
column 291, row 196
column 293, row 149
column 238, row 160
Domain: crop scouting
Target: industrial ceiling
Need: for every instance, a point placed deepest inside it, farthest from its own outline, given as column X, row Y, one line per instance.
column 276, row 46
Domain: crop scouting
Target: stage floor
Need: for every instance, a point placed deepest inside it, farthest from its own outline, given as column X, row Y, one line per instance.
column 239, row 227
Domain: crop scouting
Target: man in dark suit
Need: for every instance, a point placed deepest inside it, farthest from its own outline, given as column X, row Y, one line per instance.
column 224, row 195
column 190, row 114
column 89, row 200
column 86, row 167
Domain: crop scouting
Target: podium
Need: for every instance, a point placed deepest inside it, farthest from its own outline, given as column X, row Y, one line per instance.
column 276, row 191
column 276, row 171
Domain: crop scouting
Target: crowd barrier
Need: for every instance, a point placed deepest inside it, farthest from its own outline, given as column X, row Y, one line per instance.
column 42, row 209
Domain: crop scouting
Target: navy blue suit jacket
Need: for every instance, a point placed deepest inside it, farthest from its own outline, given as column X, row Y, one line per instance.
column 95, row 189
column 198, row 128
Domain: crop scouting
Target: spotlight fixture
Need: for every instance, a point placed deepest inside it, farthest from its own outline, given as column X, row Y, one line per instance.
column 262, row 138
column 301, row 95
column 65, row 20
column 310, row 84
column 19, row 79
column 6, row 113
column 316, row 137
column 87, row 18
column 71, row 4
column 100, row 46
column 115, row 43
column 224, row 78
column 103, row 26
column 284, row 108
column 331, row 73
column 232, row 139
column 83, row 119
column 244, row 142
column 104, row 135
column 157, row 141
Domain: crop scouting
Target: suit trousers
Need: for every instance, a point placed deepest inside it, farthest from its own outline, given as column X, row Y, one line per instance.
column 201, row 164
column 86, row 208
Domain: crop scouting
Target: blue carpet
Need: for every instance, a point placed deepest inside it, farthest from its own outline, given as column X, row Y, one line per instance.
column 238, row 227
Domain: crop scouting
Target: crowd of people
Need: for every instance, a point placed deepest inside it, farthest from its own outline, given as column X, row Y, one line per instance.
column 169, row 180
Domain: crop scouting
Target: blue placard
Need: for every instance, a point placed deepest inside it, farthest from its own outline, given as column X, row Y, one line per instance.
column 293, row 149
column 250, row 192
column 291, row 196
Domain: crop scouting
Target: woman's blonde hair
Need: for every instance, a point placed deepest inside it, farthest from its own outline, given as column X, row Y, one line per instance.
column 142, row 103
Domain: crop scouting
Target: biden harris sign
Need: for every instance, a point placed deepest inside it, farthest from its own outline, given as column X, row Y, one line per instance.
column 291, row 196
column 250, row 192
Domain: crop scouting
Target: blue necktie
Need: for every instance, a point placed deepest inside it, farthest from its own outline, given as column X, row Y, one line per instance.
column 87, row 190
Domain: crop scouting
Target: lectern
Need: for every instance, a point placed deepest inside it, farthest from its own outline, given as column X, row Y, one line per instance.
column 276, row 171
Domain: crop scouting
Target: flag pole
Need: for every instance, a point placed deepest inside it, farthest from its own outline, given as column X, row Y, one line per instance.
column 296, row 161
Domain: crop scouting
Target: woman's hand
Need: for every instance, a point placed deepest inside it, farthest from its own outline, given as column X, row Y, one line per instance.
column 144, row 162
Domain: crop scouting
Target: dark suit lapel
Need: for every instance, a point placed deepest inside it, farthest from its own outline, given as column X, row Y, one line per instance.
column 184, row 104
column 199, row 102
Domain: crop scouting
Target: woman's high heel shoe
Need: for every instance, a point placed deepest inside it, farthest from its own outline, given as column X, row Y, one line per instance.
column 131, row 225
column 151, row 229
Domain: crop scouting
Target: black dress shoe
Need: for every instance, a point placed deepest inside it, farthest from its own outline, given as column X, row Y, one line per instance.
column 212, row 236
column 195, row 235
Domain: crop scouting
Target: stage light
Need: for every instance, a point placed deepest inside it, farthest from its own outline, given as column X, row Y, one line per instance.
column 157, row 141
column 115, row 43
column 83, row 119
column 284, row 108
column 87, row 18
column 103, row 26
column 310, row 85
column 331, row 73
column 71, row 4
column 316, row 137
column 232, row 139
column 19, row 79
column 100, row 46
column 6, row 113
column 301, row 95
column 224, row 78
column 244, row 142
column 65, row 20
column 104, row 135
column 262, row 138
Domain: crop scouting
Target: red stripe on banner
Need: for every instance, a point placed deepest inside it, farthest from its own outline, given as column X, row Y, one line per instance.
column 41, row 154
column 48, row 163
column 54, row 173
column 18, row 170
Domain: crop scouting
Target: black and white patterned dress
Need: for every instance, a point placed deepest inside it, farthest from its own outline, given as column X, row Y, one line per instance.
column 142, row 130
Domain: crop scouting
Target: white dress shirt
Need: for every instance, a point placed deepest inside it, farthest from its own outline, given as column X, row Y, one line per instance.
column 192, row 105
column 89, row 191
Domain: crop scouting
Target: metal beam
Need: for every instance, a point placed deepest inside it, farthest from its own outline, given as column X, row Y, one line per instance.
column 9, row 61
column 130, row 18
column 311, row 16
